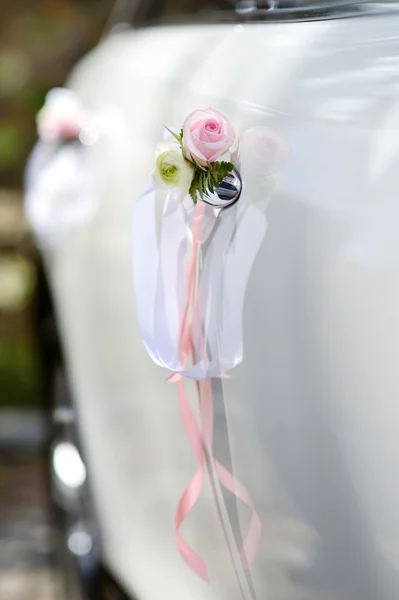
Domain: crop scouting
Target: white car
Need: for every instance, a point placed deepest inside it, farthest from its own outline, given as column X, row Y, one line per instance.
column 307, row 410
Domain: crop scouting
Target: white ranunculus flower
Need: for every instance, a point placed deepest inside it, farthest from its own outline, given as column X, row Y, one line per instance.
column 171, row 169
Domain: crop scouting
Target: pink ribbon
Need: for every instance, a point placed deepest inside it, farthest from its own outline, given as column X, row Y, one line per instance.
column 201, row 441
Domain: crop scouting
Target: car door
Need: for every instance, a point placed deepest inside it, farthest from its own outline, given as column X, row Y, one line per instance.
column 307, row 421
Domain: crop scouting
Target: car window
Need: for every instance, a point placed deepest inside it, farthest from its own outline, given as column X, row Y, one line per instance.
column 147, row 12
column 160, row 9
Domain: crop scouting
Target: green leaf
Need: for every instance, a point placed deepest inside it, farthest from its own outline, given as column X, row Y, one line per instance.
column 193, row 190
column 175, row 135
column 200, row 186
column 205, row 179
column 196, row 185
column 224, row 167
column 196, row 164
column 218, row 172
column 214, row 176
column 206, row 182
column 202, row 183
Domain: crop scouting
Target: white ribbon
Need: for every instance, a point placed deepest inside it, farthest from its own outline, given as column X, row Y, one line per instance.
column 230, row 240
column 58, row 191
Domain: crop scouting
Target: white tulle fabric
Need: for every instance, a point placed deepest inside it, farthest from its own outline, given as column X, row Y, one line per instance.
column 58, row 191
column 161, row 244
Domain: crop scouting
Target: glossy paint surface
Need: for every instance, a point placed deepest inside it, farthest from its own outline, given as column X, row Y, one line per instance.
column 309, row 421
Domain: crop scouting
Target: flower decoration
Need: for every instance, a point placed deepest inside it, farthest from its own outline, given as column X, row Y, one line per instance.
column 263, row 151
column 199, row 158
column 59, row 187
column 61, row 118
column 199, row 260
column 171, row 167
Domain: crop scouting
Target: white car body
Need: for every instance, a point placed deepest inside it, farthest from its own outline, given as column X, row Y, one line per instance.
column 312, row 412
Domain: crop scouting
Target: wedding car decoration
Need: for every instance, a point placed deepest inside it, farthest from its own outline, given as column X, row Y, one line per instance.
column 196, row 232
column 61, row 118
column 200, row 159
column 58, row 187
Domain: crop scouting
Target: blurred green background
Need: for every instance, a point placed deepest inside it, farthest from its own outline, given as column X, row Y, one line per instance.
column 39, row 43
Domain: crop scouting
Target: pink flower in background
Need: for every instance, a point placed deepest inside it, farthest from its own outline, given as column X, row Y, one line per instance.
column 262, row 151
column 207, row 135
column 61, row 118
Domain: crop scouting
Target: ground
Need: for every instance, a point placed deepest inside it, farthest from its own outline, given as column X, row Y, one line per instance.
column 27, row 556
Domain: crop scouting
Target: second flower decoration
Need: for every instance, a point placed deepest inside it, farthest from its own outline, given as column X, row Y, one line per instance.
column 199, row 159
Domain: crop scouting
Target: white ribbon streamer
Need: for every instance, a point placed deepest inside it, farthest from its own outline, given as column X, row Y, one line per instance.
column 230, row 241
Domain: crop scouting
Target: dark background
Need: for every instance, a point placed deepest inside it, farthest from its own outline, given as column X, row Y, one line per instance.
column 40, row 41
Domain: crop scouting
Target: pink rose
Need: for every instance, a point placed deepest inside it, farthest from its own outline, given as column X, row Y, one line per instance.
column 207, row 134
column 62, row 117
column 262, row 151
